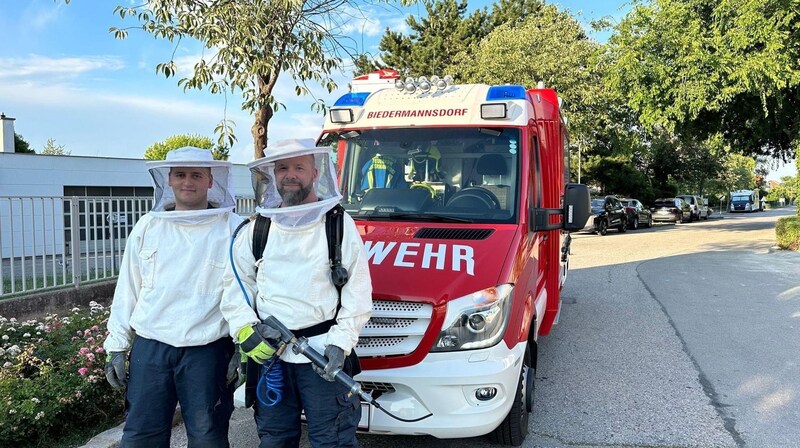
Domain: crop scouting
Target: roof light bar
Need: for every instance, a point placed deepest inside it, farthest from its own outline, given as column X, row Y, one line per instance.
column 423, row 84
column 352, row 99
column 507, row 92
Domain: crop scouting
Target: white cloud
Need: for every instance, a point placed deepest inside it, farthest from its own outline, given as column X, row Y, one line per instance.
column 40, row 17
column 36, row 65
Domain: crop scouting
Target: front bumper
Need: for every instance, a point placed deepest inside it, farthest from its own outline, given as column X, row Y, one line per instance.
column 444, row 385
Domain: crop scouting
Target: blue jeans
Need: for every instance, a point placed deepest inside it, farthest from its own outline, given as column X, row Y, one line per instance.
column 331, row 415
column 162, row 376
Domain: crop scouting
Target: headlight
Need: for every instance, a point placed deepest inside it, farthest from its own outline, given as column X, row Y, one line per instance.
column 476, row 320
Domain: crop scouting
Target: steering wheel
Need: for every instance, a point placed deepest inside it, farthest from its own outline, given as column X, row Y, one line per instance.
column 474, row 197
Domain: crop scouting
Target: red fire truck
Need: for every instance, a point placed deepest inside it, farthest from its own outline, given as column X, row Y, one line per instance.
column 461, row 195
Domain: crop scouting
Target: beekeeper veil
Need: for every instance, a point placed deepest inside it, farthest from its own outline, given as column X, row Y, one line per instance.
column 270, row 202
column 220, row 195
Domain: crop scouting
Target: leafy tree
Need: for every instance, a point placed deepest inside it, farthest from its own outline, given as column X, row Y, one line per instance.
column 443, row 33
column 435, row 39
column 221, row 152
column 702, row 68
column 159, row 150
column 51, row 149
column 253, row 42
column 21, row 145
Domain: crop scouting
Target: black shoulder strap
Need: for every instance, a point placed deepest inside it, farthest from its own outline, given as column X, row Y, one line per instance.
column 260, row 234
column 334, row 232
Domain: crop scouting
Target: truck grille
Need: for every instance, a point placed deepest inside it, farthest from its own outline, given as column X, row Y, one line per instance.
column 395, row 328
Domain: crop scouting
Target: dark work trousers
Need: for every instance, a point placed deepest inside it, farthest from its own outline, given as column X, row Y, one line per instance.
column 332, row 417
column 161, row 376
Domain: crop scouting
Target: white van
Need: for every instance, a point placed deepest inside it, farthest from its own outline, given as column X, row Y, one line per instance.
column 699, row 206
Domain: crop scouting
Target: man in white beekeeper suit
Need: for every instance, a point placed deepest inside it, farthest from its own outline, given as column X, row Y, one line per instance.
column 291, row 280
column 166, row 306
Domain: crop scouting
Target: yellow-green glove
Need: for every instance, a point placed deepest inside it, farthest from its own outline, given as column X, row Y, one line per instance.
column 253, row 343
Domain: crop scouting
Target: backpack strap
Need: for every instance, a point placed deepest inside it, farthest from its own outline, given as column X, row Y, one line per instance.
column 334, row 232
column 260, row 234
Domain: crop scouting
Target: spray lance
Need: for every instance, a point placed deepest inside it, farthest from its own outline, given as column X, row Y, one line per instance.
column 300, row 346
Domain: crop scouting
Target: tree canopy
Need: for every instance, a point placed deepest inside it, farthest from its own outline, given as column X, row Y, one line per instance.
column 52, row 149
column 21, row 145
column 250, row 44
column 700, row 67
column 159, row 150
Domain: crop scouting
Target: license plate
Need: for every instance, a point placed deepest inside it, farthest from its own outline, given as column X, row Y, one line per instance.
column 366, row 413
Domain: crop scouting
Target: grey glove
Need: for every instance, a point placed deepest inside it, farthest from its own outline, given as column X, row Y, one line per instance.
column 335, row 363
column 117, row 370
column 233, row 365
column 272, row 335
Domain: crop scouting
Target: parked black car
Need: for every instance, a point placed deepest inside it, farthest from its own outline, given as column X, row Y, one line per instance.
column 607, row 212
column 637, row 214
column 671, row 210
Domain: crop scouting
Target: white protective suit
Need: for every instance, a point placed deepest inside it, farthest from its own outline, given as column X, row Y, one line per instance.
column 170, row 281
column 293, row 282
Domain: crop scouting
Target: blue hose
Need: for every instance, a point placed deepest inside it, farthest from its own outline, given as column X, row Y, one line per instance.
column 270, row 385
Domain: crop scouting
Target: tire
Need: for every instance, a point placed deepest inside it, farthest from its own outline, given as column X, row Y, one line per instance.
column 649, row 222
column 602, row 228
column 635, row 223
column 623, row 227
column 514, row 428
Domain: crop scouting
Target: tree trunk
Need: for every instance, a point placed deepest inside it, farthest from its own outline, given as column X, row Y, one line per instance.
column 259, row 130
column 263, row 115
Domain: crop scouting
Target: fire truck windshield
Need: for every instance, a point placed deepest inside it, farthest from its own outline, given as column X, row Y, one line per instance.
column 457, row 174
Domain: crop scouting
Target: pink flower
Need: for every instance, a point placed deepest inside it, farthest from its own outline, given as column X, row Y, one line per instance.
column 87, row 332
column 90, row 356
column 83, row 350
column 90, row 340
column 83, row 371
column 99, row 350
column 95, row 328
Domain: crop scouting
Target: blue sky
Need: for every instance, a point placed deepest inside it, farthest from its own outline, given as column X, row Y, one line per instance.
column 64, row 76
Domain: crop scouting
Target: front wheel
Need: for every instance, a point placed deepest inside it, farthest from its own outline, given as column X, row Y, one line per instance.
column 635, row 223
column 514, row 428
column 602, row 227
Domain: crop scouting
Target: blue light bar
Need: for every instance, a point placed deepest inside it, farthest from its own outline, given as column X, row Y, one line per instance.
column 352, row 99
column 511, row 92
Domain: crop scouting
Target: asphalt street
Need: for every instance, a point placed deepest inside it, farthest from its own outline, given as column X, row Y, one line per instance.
column 677, row 336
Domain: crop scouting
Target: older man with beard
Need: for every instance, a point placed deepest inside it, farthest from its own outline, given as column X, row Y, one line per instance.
column 291, row 280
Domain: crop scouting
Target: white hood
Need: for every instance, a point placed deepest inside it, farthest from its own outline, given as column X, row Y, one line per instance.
column 220, row 196
column 268, row 200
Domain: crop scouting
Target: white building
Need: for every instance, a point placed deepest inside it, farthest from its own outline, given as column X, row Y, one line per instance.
column 30, row 225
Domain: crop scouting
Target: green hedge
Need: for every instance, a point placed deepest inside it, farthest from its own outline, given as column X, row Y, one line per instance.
column 787, row 233
column 52, row 385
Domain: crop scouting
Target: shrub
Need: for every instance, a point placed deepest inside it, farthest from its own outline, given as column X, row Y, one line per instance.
column 52, row 382
column 787, row 232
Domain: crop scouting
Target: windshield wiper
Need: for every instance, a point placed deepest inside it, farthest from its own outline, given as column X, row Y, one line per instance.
column 428, row 217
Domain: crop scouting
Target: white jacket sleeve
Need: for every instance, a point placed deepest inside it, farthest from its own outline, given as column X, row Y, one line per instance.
column 234, row 306
column 356, row 306
column 126, row 293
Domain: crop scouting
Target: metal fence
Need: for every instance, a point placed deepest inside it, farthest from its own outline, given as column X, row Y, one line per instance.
column 48, row 242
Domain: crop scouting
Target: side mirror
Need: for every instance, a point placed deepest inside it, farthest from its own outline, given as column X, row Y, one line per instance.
column 572, row 217
column 577, row 207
